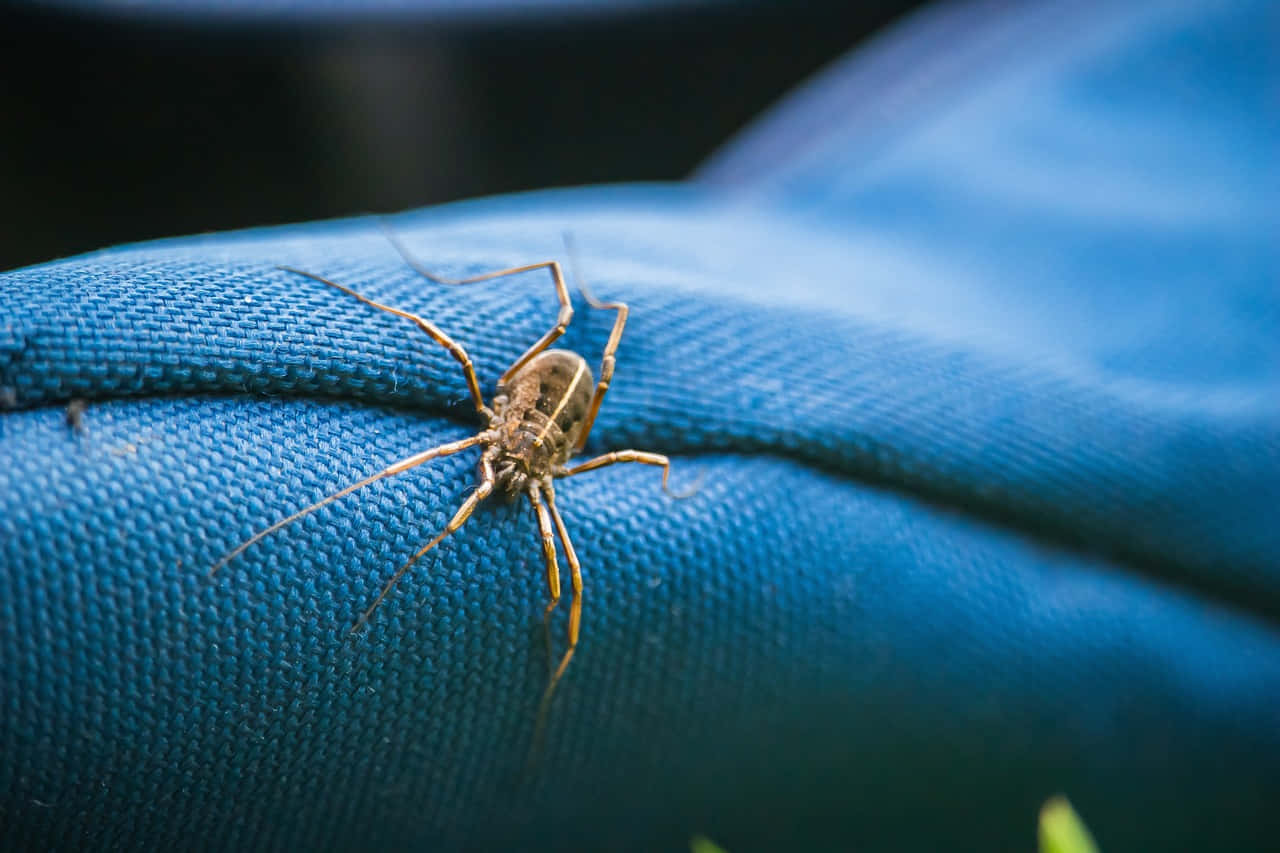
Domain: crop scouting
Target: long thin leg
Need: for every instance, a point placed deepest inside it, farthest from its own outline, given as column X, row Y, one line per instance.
column 459, row 518
column 549, row 558
column 575, row 570
column 399, row 467
column 607, row 362
column 455, row 349
column 631, row 456
column 563, row 317
column 575, row 611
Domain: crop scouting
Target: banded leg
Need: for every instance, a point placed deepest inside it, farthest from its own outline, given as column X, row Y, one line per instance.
column 606, row 362
column 631, row 456
column 455, row 349
column 459, row 518
column 563, row 316
column 575, row 608
column 575, row 571
column 549, row 558
column 399, row 467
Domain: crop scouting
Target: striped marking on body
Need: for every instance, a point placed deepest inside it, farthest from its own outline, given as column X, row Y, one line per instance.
column 564, row 401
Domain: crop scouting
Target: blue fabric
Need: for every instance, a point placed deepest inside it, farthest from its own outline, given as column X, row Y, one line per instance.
column 1099, row 206
column 988, row 509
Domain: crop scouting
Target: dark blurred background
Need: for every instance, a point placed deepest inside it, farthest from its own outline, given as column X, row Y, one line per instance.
column 122, row 127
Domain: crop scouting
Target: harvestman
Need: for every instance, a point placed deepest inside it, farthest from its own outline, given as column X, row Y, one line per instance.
column 541, row 415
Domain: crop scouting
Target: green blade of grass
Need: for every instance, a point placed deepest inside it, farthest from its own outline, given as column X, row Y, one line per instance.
column 1062, row 831
column 702, row 844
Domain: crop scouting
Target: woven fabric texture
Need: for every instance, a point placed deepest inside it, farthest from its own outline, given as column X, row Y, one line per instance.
column 876, row 595
column 953, row 550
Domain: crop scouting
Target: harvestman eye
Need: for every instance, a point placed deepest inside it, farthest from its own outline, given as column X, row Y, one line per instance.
column 540, row 416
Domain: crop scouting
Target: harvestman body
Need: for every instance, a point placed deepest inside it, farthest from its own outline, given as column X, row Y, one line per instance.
column 541, row 416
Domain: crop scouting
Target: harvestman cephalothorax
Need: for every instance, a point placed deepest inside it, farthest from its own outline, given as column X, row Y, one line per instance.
column 540, row 417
